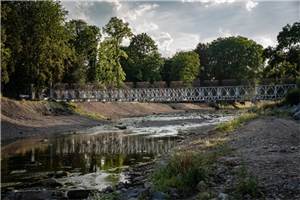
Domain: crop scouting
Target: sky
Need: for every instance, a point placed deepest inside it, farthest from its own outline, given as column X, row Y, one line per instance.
column 181, row 25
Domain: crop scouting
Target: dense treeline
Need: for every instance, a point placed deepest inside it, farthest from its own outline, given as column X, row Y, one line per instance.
column 39, row 47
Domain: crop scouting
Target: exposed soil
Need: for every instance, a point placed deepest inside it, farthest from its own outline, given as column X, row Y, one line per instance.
column 269, row 149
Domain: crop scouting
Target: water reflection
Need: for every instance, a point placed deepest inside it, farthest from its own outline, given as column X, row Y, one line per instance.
column 83, row 154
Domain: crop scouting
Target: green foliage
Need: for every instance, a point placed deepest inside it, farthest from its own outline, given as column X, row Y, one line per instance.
column 183, row 171
column 184, row 66
column 37, row 41
column 109, row 70
column 235, row 123
column 202, row 51
column 293, row 97
column 83, row 39
column 144, row 61
column 118, row 29
column 106, row 196
column 284, row 60
column 234, row 58
column 247, row 185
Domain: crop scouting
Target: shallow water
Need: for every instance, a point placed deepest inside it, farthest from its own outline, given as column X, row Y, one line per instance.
column 97, row 157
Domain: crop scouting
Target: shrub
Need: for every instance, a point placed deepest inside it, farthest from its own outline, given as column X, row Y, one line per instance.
column 293, row 97
column 183, row 172
column 247, row 185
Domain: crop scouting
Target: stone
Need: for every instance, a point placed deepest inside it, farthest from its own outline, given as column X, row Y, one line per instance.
column 78, row 194
column 121, row 127
column 223, row 196
column 60, row 174
column 296, row 115
column 49, row 183
column 201, row 186
column 159, row 196
column 204, row 195
column 22, row 171
column 230, row 161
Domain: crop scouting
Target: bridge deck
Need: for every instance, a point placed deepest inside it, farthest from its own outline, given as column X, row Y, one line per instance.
column 199, row 94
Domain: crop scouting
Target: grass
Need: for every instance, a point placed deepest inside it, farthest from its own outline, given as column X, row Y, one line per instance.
column 247, row 185
column 76, row 109
column 106, row 196
column 184, row 170
column 237, row 122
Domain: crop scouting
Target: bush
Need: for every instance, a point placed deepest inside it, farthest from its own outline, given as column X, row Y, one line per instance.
column 247, row 185
column 293, row 97
column 183, row 172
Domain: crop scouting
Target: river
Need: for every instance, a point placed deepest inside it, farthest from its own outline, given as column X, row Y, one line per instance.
column 100, row 156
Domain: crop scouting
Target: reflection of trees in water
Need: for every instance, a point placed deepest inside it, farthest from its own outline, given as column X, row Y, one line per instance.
column 114, row 143
column 88, row 153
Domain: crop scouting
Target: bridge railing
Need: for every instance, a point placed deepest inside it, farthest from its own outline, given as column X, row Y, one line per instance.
column 196, row 94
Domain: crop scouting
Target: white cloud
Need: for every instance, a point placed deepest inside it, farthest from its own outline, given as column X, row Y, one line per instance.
column 265, row 41
column 250, row 5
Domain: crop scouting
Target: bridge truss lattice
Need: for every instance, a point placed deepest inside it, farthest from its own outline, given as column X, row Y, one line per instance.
column 197, row 94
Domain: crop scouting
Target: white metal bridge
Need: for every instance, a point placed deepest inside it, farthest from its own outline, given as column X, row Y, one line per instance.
column 196, row 94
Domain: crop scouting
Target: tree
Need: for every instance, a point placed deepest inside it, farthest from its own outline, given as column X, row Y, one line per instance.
column 201, row 50
column 37, row 40
column 84, row 40
column 109, row 70
column 5, row 52
column 185, row 66
column 144, row 61
column 234, row 58
column 284, row 59
column 110, row 52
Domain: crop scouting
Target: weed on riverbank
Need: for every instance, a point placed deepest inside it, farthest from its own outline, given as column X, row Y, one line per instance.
column 235, row 123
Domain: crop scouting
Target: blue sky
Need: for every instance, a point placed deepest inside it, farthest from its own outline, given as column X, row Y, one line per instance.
column 181, row 25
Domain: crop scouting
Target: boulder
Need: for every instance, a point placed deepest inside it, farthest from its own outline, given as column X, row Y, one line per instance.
column 78, row 194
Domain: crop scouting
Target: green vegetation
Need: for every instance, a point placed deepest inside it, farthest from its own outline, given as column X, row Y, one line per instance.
column 184, row 170
column 39, row 48
column 283, row 60
column 183, row 66
column 229, row 56
column 104, row 196
column 237, row 122
column 246, row 185
column 293, row 97
column 144, row 61
column 76, row 109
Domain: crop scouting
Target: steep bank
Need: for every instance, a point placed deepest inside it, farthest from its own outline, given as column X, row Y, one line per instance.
column 21, row 119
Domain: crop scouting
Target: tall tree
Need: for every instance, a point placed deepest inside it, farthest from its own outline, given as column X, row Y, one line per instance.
column 5, row 52
column 234, row 58
column 84, row 40
column 110, row 52
column 185, row 66
column 144, row 61
column 284, row 59
column 37, row 39
column 201, row 50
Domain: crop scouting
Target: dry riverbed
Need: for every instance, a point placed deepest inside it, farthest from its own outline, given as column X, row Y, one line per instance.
column 258, row 160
